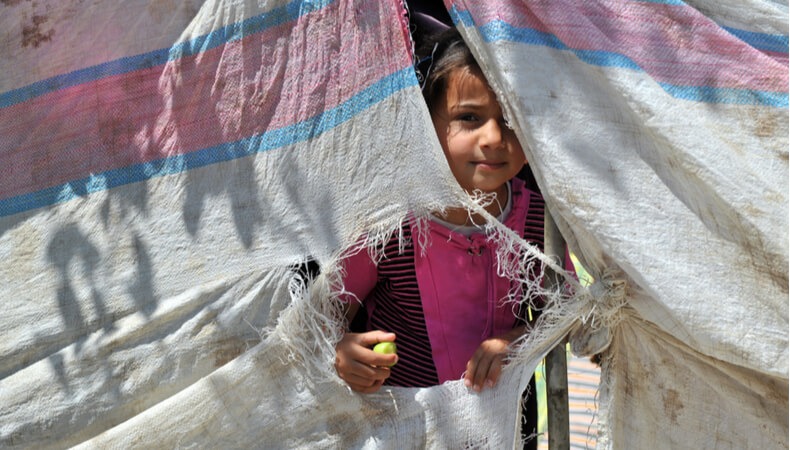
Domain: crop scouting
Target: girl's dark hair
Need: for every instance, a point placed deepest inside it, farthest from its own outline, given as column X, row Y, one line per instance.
column 439, row 55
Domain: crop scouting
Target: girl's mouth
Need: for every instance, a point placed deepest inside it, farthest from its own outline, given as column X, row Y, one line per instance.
column 490, row 165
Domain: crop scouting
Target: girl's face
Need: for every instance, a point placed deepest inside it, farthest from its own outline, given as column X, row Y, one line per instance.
column 482, row 151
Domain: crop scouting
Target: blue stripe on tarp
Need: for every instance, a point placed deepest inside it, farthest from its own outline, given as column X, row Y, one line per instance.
column 709, row 94
column 216, row 38
column 501, row 31
column 761, row 41
column 266, row 141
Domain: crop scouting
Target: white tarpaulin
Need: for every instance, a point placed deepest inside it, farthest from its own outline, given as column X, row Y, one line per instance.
column 660, row 139
column 164, row 164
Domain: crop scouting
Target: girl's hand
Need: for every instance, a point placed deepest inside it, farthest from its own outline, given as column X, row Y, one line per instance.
column 483, row 369
column 363, row 369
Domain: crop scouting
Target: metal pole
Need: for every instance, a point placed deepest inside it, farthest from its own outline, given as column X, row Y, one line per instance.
column 556, row 361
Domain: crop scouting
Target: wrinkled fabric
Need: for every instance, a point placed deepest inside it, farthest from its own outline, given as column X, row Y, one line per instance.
column 658, row 133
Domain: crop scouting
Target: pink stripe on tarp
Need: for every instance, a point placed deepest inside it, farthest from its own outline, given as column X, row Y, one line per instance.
column 673, row 43
column 265, row 81
column 781, row 58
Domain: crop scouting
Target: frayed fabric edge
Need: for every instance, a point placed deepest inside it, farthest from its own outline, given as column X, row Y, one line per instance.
column 313, row 323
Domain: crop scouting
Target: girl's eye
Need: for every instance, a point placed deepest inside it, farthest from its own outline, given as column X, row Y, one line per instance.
column 467, row 118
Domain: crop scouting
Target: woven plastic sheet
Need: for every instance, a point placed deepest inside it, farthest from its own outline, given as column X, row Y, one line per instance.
column 157, row 184
column 658, row 132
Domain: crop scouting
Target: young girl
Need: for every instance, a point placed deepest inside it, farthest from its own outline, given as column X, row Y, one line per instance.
column 445, row 305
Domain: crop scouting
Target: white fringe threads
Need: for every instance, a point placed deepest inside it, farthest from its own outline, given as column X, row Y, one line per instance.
column 314, row 322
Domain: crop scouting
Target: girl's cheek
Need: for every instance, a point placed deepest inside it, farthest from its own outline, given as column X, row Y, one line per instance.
column 515, row 144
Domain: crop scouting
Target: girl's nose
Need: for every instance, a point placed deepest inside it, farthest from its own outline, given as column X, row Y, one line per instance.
column 491, row 134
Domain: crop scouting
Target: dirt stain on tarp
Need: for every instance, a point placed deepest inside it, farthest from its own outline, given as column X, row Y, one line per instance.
column 766, row 125
column 162, row 9
column 672, row 404
column 10, row 2
column 32, row 33
column 228, row 350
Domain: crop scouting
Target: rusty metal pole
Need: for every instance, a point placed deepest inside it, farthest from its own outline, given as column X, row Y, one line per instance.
column 556, row 361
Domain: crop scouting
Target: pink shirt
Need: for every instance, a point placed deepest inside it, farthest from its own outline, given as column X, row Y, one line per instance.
column 462, row 296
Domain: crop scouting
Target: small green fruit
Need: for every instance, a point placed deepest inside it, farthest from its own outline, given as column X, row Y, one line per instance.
column 386, row 348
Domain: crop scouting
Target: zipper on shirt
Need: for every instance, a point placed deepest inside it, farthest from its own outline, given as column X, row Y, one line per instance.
column 490, row 300
column 477, row 248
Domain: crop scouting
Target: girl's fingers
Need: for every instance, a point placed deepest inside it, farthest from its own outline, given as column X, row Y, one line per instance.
column 365, row 389
column 477, row 370
column 365, row 379
column 471, row 370
column 350, row 368
column 486, row 372
column 361, row 380
column 486, row 364
column 372, row 338
column 493, row 371
column 365, row 355
column 360, row 367
column 365, row 371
